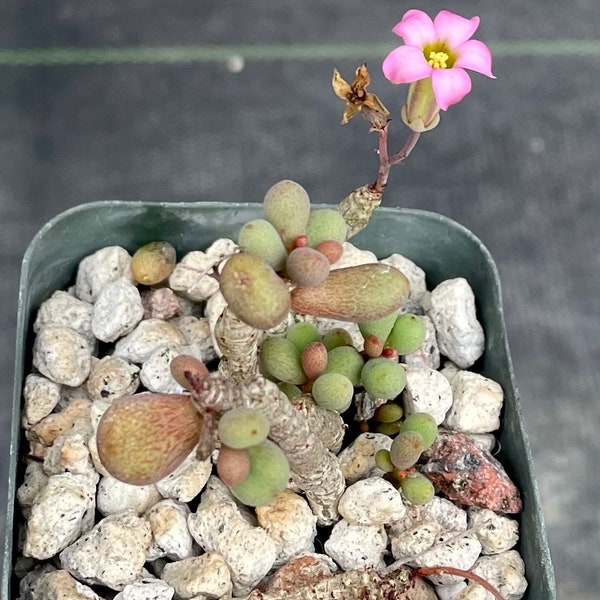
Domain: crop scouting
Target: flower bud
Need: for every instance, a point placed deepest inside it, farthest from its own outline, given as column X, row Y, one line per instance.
column 421, row 111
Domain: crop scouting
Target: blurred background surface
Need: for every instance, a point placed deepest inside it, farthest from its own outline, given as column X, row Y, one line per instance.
column 101, row 106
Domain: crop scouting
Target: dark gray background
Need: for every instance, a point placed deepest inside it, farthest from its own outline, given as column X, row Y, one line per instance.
column 516, row 162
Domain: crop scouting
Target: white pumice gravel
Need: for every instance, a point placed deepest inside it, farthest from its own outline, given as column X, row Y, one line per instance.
column 358, row 458
column 40, row 396
column 460, row 335
column 61, row 511
column 155, row 373
column 146, row 589
column 496, row 533
column 115, row 497
column 112, row 377
column 415, row 540
column 353, row 256
column 171, row 537
column 193, row 278
column 427, row 391
column 477, row 403
column 451, row 591
column 70, row 452
column 205, row 575
column 34, row 480
column 187, row 480
column 117, row 310
column 357, row 546
column 506, row 572
column 290, row 523
column 62, row 355
column 372, row 501
column 113, row 553
column 197, row 333
column 220, row 525
column 58, row 584
column 64, row 310
column 459, row 550
column 99, row 269
column 149, row 335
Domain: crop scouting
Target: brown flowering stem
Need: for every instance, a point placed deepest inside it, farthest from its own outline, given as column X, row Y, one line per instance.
column 427, row 571
column 386, row 161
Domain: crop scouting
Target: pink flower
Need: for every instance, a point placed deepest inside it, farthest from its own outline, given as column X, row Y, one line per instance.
column 440, row 50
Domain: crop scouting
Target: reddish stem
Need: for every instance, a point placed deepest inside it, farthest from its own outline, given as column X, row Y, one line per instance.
column 426, row 571
column 385, row 161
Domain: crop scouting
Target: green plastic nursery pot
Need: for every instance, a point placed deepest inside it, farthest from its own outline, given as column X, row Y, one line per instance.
column 440, row 246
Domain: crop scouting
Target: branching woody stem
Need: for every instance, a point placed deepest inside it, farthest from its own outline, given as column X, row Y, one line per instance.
column 238, row 343
column 360, row 204
column 315, row 470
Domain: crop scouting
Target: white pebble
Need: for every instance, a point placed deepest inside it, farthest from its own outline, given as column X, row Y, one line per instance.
column 220, row 525
column 414, row 274
column 451, row 591
column 99, row 269
column 155, row 373
column 206, row 575
column 187, row 480
column 149, row 335
column 112, row 377
column 64, row 310
column 372, row 501
column 192, row 276
column 70, row 452
column 220, row 249
column 118, row 309
column 358, row 459
column 496, row 533
column 357, row 546
column 353, row 256
column 170, row 535
column 415, row 540
column 506, row 572
column 477, row 403
column 115, row 496
column 460, row 335
column 62, row 355
column 427, row 391
column 197, row 334
column 34, row 480
column 458, row 550
column 113, row 553
column 59, row 585
column 40, row 396
column 146, row 589
column 290, row 523
column 62, row 510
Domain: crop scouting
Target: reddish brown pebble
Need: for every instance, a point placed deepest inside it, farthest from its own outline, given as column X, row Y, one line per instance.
column 470, row 476
column 160, row 304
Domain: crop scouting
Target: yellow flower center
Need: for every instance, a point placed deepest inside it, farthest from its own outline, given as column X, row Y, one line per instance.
column 438, row 60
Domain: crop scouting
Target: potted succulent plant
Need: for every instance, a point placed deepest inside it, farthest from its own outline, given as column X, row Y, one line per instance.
column 310, row 348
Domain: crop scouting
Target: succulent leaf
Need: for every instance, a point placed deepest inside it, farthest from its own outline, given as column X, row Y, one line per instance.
column 359, row 293
column 254, row 292
column 144, row 437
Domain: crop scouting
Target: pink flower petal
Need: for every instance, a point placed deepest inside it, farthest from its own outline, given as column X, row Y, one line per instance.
column 475, row 55
column 454, row 29
column 405, row 65
column 416, row 28
column 450, row 86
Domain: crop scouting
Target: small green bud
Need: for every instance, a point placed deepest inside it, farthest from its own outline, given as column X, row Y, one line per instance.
column 383, row 378
column 261, row 238
column 407, row 334
column 333, row 391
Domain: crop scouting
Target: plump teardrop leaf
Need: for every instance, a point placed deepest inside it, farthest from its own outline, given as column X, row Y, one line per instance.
column 359, row 293
column 261, row 238
column 314, row 359
column 301, row 334
column 287, row 207
column 253, row 291
column 407, row 334
column 346, row 360
column 242, row 427
column 280, row 360
column 183, row 367
column 383, row 378
column 333, row 391
column 325, row 224
column 144, row 437
column 337, row 337
column 417, row 489
column 424, row 424
column 268, row 476
column 406, row 449
column 153, row 262
column 307, row 266
column 233, row 465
